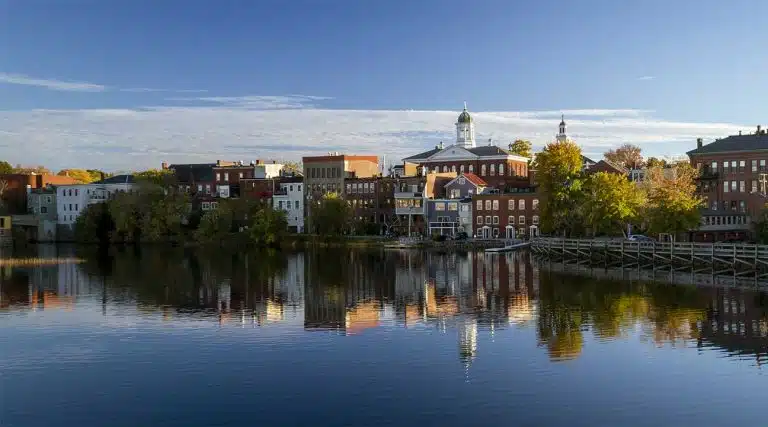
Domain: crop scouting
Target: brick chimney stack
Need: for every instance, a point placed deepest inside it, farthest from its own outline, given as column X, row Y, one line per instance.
column 699, row 142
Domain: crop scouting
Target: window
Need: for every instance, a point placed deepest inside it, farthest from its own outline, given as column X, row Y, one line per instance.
column 479, row 205
column 472, row 167
column 200, row 187
column 445, row 168
column 241, row 175
column 501, row 169
column 280, row 204
column 296, row 204
column 322, row 172
column 733, row 166
column 521, row 205
column 754, row 186
column 461, row 169
column 742, row 166
column 453, row 206
column 762, row 165
column 482, row 170
column 437, row 169
column 511, row 205
column 714, row 166
column 464, row 207
column 726, row 187
column 479, row 219
column 76, row 208
column 226, row 176
column 733, row 186
column 495, row 220
column 218, row 176
column 742, row 206
column 461, row 180
column 488, row 219
column 535, row 220
column 493, row 170
column 298, row 187
column 521, row 220
column 754, row 165
column 208, row 188
column 77, row 192
column 70, row 206
column 511, row 220
column 495, row 205
column 535, row 204
column 440, row 206
column 43, row 209
column 495, row 232
column 453, row 168
column 487, row 205
column 743, row 186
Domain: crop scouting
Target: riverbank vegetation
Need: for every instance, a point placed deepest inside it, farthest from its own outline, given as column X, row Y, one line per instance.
column 606, row 203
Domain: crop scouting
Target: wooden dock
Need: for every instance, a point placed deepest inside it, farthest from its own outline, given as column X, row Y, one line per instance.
column 717, row 258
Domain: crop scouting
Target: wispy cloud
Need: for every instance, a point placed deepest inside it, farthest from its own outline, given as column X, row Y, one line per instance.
column 645, row 78
column 73, row 86
column 258, row 102
column 223, row 129
column 69, row 86
column 149, row 89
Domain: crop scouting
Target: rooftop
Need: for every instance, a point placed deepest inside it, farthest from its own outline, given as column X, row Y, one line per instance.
column 117, row 179
column 735, row 143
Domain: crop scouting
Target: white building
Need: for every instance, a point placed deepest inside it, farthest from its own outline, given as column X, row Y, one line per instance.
column 268, row 170
column 71, row 200
column 290, row 198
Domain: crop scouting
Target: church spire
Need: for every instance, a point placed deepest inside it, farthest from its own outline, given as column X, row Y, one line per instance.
column 561, row 137
column 465, row 129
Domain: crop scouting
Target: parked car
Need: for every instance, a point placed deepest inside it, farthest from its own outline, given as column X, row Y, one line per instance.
column 640, row 238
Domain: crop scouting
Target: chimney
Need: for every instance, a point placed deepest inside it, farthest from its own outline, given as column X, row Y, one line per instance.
column 274, row 162
column 758, row 129
column 440, row 146
column 259, row 162
column 164, row 165
column 699, row 142
column 739, row 133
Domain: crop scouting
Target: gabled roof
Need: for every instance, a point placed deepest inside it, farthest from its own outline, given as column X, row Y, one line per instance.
column 585, row 159
column 735, row 143
column 193, row 172
column 472, row 178
column 490, row 150
column 608, row 166
column 117, row 179
column 423, row 155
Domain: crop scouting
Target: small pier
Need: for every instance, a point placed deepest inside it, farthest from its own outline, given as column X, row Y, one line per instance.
column 716, row 258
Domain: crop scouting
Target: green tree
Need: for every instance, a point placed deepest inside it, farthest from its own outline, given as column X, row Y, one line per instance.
column 673, row 206
column 40, row 170
column 94, row 224
column 521, row 147
column 268, row 227
column 160, row 177
column 293, row 167
column 654, row 162
column 330, row 217
column 5, row 167
column 558, row 168
column 215, row 225
column 628, row 155
column 611, row 202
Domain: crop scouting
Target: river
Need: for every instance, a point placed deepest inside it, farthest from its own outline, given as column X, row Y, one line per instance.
column 371, row 338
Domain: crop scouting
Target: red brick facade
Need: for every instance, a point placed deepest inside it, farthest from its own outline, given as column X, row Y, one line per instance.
column 14, row 196
column 497, row 215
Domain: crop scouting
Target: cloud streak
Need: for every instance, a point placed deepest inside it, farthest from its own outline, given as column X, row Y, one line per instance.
column 73, row 86
column 258, row 102
column 247, row 128
column 646, row 78
column 68, row 86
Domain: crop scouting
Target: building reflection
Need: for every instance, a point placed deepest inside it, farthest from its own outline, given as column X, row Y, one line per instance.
column 472, row 295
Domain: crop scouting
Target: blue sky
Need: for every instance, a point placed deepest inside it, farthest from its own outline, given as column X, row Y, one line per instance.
column 187, row 80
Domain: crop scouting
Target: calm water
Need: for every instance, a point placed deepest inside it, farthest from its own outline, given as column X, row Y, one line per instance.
column 336, row 338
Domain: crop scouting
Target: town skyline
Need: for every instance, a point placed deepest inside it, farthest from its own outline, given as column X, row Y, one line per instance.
column 122, row 87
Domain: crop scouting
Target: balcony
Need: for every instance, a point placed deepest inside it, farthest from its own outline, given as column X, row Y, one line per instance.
column 409, row 204
column 707, row 173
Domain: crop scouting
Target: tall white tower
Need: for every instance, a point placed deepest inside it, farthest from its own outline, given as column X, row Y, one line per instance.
column 561, row 137
column 465, row 130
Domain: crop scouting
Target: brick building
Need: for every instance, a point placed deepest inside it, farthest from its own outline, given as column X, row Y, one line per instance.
column 733, row 179
column 227, row 178
column 328, row 174
column 507, row 215
column 496, row 166
column 14, row 187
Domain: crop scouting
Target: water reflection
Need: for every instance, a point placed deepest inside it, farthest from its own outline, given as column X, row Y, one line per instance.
column 350, row 292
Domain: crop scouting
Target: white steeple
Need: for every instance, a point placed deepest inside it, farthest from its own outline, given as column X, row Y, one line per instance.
column 561, row 137
column 465, row 130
